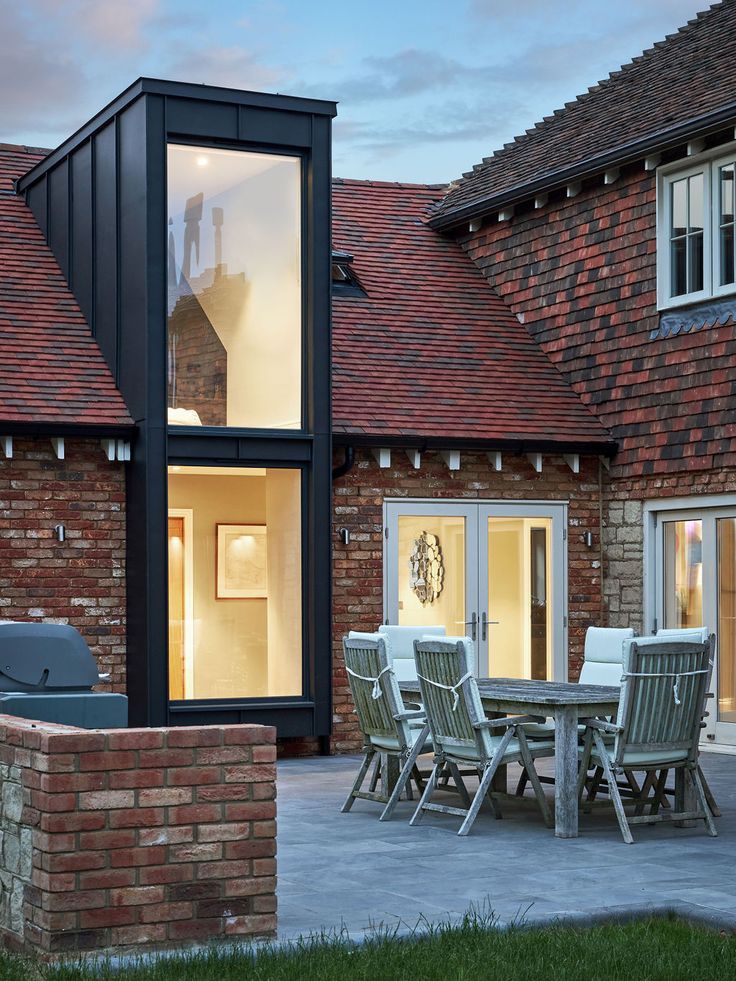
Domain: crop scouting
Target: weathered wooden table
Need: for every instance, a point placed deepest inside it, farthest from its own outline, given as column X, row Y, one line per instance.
column 567, row 704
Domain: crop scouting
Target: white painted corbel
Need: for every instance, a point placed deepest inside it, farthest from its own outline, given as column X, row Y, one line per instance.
column 415, row 458
column 541, row 200
column 475, row 225
column 451, row 458
column 495, row 460
column 695, row 146
column 7, row 444
column 536, row 461
column 506, row 214
column 573, row 461
column 611, row 176
column 383, row 456
column 606, row 462
column 652, row 162
column 108, row 448
column 58, row 444
column 573, row 189
column 123, row 450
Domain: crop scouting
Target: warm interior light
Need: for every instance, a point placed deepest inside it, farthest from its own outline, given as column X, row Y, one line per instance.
column 202, row 161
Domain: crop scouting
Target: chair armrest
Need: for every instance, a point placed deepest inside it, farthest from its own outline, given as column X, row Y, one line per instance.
column 602, row 726
column 401, row 716
column 510, row 720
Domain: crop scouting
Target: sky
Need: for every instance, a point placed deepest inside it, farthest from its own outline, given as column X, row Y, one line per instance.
column 425, row 88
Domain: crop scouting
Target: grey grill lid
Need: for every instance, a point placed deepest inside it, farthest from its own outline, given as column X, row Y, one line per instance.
column 44, row 655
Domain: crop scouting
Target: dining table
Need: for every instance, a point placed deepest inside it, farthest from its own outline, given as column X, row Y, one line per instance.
column 568, row 704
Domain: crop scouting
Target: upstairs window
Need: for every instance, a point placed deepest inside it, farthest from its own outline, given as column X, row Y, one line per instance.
column 696, row 231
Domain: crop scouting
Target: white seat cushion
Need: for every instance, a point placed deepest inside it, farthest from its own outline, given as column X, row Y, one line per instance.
column 601, row 673
column 649, row 758
column 400, row 640
column 391, row 743
column 605, row 644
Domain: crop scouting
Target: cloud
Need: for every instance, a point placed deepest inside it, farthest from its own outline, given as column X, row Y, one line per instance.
column 114, row 24
column 232, row 66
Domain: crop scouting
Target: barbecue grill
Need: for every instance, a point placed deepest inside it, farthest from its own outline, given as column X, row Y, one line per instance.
column 47, row 672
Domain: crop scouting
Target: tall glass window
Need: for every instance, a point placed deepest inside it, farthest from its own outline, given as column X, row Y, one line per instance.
column 234, row 289
column 235, row 583
column 683, row 574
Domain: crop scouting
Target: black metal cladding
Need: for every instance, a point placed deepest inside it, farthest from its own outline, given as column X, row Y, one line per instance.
column 100, row 200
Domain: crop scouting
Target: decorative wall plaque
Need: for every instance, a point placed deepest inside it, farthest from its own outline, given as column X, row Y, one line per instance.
column 426, row 568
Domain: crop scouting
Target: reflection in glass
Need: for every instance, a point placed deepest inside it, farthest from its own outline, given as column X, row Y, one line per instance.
column 687, row 210
column 727, row 228
column 234, row 289
column 234, row 583
column 441, row 539
column 519, row 602
column 683, row 574
column 726, row 654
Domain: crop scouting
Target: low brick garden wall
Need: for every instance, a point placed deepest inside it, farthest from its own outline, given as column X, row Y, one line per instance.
column 135, row 837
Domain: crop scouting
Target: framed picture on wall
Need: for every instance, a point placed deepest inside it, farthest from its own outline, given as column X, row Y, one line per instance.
column 242, row 562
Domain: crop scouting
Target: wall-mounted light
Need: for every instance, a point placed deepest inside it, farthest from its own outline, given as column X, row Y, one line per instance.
column 60, row 532
column 345, row 536
column 588, row 538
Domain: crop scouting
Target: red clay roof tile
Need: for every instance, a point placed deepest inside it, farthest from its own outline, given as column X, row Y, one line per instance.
column 51, row 369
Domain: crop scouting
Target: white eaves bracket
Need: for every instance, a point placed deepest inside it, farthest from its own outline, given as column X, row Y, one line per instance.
column 116, row 449
column 6, row 443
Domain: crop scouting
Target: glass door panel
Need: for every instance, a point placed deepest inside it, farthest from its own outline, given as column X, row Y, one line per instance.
column 683, row 574
column 726, row 654
column 519, row 635
column 432, row 575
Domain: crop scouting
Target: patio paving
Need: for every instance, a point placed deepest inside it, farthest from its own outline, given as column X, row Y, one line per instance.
column 349, row 872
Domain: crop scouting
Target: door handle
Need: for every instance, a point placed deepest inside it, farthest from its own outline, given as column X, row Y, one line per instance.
column 472, row 623
column 484, row 624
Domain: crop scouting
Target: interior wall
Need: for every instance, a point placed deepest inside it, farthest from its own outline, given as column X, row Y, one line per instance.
column 506, row 595
column 448, row 609
column 283, row 514
column 230, row 635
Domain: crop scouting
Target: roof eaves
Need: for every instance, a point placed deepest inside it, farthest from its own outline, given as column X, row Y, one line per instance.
column 627, row 153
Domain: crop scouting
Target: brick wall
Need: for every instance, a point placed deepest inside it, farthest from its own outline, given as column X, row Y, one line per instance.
column 138, row 837
column 358, row 567
column 82, row 580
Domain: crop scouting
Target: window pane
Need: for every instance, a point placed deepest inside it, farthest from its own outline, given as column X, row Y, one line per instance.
column 678, row 273
column 726, row 656
column 678, row 190
column 432, row 572
column 695, row 262
column 683, row 574
column 727, row 255
column 695, row 201
column 726, row 193
column 235, row 608
column 234, row 289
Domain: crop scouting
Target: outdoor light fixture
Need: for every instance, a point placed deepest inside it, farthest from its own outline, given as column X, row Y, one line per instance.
column 60, row 532
column 588, row 538
column 345, row 536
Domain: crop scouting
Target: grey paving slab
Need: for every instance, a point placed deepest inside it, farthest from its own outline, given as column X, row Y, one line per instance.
column 352, row 874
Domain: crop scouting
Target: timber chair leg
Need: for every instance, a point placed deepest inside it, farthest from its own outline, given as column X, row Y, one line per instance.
column 714, row 808
column 459, row 783
column 376, row 774
column 534, row 778
column 523, row 781
column 483, row 787
column 358, row 781
column 659, row 792
column 424, row 799
column 404, row 779
column 702, row 800
column 614, row 791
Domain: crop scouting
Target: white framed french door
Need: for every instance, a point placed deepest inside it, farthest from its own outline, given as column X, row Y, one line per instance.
column 692, row 583
column 493, row 570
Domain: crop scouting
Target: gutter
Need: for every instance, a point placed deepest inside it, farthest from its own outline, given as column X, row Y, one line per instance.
column 69, row 429
column 665, row 139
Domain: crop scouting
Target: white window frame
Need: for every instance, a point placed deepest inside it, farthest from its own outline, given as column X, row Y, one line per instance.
column 708, row 165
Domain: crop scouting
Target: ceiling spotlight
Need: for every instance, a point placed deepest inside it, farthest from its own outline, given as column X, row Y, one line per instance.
column 202, row 161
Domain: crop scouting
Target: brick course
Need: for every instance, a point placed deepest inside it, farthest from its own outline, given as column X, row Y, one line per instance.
column 80, row 581
column 90, row 869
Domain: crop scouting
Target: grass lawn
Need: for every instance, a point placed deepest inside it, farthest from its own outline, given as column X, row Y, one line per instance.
column 651, row 949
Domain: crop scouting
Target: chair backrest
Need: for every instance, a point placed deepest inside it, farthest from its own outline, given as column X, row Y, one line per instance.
column 400, row 647
column 604, row 655
column 662, row 696
column 375, row 691
column 698, row 634
column 450, row 697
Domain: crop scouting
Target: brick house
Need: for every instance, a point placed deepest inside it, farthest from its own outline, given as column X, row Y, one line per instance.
column 531, row 393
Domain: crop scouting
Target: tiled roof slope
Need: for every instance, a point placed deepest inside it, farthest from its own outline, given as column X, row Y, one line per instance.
column 688, row 75
column 431, row 350
column 51, row 369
